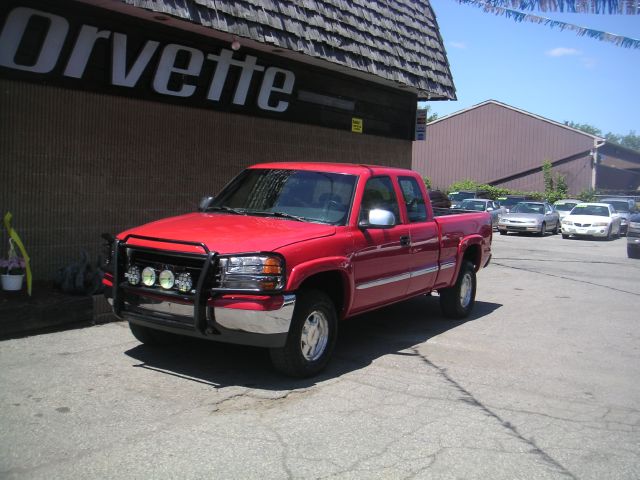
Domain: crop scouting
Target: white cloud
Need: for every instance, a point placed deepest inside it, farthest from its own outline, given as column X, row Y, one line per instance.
column 460, row 45
column 562, row 52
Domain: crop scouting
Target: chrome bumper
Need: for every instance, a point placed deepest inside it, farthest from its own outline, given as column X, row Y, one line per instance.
column 257, row 321
column 259, row 327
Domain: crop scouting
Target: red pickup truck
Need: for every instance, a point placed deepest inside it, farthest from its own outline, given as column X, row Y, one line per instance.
column 286, row 251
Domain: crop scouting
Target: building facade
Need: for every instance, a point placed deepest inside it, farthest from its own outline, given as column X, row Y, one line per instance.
column 119, row 113
column 496, row 144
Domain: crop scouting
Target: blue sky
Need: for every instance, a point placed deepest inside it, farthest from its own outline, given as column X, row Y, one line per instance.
column 552, row 73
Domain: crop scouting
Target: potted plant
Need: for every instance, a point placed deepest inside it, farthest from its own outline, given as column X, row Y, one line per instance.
column 12, row 269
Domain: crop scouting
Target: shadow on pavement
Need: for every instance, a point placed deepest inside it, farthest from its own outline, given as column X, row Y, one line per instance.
column 361, row 340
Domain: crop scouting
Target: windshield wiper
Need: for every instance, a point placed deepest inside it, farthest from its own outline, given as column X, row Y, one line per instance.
column 282, row 215
column 224, row 208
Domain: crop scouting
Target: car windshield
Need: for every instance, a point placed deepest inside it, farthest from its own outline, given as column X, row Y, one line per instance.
column 565, row 207
column 619, row 205
column 457, row 196
column 597, row 210
column 297, row 194
column 525, row 207
column 473, row 205
column 509, row 202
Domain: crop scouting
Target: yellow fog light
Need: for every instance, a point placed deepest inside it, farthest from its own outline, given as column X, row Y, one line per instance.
column 167, row 279
column 149, row 276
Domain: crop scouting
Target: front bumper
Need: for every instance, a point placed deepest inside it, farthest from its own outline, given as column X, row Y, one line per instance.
column 585, row 231
column 261, row 321
column 246, row 318
column 506, row 227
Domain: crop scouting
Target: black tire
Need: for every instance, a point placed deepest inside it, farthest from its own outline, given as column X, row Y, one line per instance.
column 543, row 229
column 633, row 252
column 556, row 229
column 314, row 311
column 502, row 232
column 457, row 301
column 565, row 236
column 152, row 337
column 609, row 233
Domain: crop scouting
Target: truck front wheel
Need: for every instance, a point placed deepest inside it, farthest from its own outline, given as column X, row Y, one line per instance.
column 457, row 301
column 312, row 336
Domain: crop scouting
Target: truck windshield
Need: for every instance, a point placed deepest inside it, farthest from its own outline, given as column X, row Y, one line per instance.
column 294, row 194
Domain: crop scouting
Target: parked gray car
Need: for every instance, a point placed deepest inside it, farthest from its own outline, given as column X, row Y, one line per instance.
column 536, row 217
column 624, row 207
column 483, row 205
column 633, row 236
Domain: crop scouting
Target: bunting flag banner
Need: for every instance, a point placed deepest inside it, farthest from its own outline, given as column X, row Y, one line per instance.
column 626, row 7
column 13, row 235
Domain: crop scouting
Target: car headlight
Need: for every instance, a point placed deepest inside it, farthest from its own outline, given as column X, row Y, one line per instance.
column 567, row 222
column 599, row 224
column 251, row 272
column 623, row 221
column 634, row 224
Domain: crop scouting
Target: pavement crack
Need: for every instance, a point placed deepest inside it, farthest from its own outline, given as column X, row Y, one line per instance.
column 469, row 398
column 585, row 282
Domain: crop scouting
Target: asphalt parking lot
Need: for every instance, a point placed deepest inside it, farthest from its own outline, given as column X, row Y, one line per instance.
column 541, row 382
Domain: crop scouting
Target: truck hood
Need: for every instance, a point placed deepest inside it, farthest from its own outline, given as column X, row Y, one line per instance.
column 226, row 234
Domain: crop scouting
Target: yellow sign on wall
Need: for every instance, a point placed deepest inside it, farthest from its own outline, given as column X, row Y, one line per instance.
column 356, row 125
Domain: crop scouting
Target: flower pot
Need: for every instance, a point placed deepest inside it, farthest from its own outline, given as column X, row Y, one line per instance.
column 12, row 282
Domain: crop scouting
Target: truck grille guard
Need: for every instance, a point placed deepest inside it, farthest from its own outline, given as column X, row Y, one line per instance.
column 209, row 260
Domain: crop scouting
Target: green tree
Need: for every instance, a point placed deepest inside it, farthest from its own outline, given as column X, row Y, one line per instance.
column 630, row 140
column 584, row 127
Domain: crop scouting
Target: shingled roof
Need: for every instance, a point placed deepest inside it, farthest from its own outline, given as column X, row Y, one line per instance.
column 397, row 41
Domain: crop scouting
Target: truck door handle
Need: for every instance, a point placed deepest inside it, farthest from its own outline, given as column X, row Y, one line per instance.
column 405, row 241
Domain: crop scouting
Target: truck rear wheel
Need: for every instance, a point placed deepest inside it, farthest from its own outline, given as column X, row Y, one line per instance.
column 458, row 301
column 312, row 336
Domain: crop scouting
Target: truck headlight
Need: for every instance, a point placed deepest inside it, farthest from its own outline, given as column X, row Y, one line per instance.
column 251, row 272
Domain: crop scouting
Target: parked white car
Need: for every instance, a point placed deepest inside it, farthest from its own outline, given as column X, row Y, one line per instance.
column 564, row 206
column 592, row 220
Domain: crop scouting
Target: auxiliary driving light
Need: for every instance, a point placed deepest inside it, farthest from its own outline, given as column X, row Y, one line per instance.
column 133, row 275
column 167, row 279
column 184, row 282
column 149, row 276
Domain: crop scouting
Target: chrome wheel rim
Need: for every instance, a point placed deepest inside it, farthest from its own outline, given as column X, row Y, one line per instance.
column 466, row 287
column 314, row 336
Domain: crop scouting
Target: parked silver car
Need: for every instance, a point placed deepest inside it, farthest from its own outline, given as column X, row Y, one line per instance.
column 483, row 205
column 536, row 217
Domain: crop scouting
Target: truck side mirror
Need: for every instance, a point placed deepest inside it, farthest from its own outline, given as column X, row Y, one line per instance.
column 379, row 218
column 205, row 203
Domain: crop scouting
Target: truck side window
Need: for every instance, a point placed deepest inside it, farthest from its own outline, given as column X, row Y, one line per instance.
column 379, row 193
column 413, row 199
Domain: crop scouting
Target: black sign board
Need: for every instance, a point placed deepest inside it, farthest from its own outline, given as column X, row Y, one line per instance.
column 79, row 46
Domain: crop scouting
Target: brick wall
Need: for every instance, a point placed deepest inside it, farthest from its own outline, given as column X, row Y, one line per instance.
column 75, row 164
